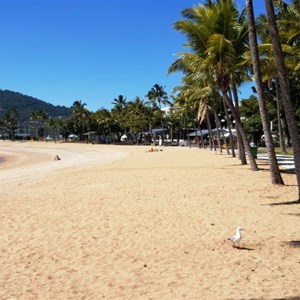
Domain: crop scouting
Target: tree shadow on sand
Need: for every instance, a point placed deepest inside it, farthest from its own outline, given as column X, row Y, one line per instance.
column 297, row 215
column 287, row 298
column 294, row 244
column 293, row 202
column 265, row 166
column 243, row 248
column 288, row 171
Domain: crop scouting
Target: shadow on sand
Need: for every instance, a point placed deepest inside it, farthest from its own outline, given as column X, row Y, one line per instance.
column 294, row 244
column 297, row 215
column 287, row 298
column 286, row 203
column 243, row 248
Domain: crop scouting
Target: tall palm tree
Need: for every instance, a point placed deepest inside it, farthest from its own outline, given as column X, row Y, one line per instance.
column 158, row 96
column 120, row 102
column 40, row 117
column 119, row 115
column 283, row 81
column 223, row 58
column 212, row 32
column 104, row 122
column 274, row 169
column 136, row 113
column 10, row 122
column 269, row 71
column 53, row 125
column 187, row 105
column 81, row 117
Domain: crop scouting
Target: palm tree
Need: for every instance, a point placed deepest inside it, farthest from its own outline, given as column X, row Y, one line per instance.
column 274, row 169
column 187, row 106
column 40, row 117
column 136, row 113
column 81, row 117
column 119, row 115
column 104, row 121
column 212, row 32
column 223, row 58
column 158, row 96
column 283, row 81
column 120, row 102
column 10, row 122
column 288, row 23
column 269, row 72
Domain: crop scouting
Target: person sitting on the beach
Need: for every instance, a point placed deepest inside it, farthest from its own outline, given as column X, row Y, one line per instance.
column 57, row 157
column 154, row 150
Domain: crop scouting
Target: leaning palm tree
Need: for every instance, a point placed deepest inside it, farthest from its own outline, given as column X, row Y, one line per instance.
column 283, row 81
column 223, row 58
column 211, row 30
column 200, row 89
column 274, row 169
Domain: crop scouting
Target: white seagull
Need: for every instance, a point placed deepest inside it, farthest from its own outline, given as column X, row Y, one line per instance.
column 236, row 238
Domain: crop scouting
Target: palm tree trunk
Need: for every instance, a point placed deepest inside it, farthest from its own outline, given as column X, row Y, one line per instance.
column 201, row 145
column 210, row 140
column 240, row 127
column 219, row 129
column 285, row 90
column 278, row 107
column 241, row 148
column 274, row 169
column 229, row 130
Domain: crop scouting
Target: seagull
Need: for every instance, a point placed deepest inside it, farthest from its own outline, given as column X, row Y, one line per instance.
column 235, row 239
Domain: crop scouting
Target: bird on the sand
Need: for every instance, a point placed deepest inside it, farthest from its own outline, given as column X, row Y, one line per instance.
column 236, row 238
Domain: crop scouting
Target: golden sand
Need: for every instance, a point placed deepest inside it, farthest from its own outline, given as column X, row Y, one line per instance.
column 118, row 222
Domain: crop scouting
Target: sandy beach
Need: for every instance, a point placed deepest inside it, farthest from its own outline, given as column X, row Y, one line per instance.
column 119, row 222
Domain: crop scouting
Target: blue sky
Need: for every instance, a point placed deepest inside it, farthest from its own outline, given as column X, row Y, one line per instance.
column 61, row 51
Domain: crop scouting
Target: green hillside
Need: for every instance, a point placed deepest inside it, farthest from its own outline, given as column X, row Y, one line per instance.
column 25, row 105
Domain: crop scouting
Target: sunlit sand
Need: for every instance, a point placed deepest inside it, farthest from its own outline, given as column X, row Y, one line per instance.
column 120, row 222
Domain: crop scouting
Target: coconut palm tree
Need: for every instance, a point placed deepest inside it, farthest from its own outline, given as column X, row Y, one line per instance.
column 53, row 124
column 269, row 72
column 119, row 115
column 104, row 121
column 81, row 117
column 274, row 169
column 285, row 90
column 211, row 30
column 288, row 23
column 40, row 117
column 120, row 102
column 158, row 96
column 10, row 122
column 136, row 113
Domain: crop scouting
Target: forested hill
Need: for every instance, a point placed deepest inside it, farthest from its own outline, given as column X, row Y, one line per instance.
column 25, row 105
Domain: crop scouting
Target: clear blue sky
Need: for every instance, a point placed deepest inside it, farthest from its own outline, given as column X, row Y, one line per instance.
column 61, row 51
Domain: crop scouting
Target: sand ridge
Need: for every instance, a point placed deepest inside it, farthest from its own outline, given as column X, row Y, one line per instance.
column 145, row 226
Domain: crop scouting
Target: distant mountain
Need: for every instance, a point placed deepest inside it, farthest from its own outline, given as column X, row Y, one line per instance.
column 25, row 105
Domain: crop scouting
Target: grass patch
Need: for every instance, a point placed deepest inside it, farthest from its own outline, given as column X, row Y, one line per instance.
column 277, row 150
